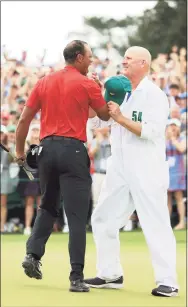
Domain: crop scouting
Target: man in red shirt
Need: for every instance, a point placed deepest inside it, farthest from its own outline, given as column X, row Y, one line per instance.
column 64, row 98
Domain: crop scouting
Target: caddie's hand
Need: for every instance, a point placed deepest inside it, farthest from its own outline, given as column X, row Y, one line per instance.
column 20, row 158
column 114, row 111
column 95, row 77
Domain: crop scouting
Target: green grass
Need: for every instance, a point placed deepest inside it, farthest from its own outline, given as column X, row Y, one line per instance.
column 21, row 291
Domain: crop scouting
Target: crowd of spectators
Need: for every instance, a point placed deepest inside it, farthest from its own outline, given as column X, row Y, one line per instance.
column 168, row 71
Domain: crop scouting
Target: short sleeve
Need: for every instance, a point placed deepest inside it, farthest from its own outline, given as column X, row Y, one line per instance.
column 96, row 100
column 34, row 98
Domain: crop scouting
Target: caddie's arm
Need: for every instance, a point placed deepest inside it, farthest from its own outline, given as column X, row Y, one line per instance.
column 154, row 123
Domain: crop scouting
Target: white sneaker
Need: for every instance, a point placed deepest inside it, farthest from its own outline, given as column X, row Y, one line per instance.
column 65, row 229
column 129, row 226
column 27, row 231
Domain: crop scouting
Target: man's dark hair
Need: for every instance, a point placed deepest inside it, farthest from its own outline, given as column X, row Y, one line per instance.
column 175, row 86
column 73, row 49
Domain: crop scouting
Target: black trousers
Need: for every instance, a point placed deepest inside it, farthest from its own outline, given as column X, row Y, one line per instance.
column 90, row 209
column 63, row 169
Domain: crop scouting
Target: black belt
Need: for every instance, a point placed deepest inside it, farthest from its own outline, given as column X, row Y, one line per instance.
column 59, row 137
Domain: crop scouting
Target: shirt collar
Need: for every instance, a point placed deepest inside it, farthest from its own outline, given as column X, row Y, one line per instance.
column 141, row 85
column 70, row 67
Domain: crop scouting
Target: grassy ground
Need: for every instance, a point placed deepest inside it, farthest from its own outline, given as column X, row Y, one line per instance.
column 18, row 290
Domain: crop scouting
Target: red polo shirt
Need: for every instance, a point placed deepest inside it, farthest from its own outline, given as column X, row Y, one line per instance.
column 64, row 98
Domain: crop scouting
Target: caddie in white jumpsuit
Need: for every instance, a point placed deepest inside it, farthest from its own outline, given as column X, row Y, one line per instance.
column 137, row 179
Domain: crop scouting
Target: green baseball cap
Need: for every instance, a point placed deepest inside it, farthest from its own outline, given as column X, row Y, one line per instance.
column 116, row 88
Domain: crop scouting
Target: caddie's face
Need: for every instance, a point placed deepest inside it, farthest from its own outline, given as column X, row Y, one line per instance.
column 132, row 64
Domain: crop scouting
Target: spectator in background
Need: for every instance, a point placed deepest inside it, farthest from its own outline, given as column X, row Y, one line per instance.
column 30, row 190
column 5, row 178
column 20, row 105
column 11, row 136
column 12, row 97
column 174, row 92
column 183, row 62
column 175, row 149
column 175, row 112
column 184, row 125
column 161, row 82
column 101, row 150
column 13, row 167
column 97, row 66
column 174, row 65
column 5, row 118
column 17, row 81
column 13, row 118
column 183, row 102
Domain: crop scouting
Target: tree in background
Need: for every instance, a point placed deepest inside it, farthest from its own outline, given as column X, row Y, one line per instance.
column 112, row 30
column 157, row 29
column 162, row 27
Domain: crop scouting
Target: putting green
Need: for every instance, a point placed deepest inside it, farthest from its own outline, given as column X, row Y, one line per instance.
column 21, row 291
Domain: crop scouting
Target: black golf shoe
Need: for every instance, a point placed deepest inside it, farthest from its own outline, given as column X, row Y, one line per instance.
column 32, row 267
column 78, row 286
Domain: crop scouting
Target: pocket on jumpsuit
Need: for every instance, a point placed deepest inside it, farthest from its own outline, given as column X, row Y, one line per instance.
column 162, row 172
column 153, row 177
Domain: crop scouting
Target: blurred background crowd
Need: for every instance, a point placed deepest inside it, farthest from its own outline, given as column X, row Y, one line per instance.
column 20, row 197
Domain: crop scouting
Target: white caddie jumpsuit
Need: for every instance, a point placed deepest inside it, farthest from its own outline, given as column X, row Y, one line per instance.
column 137, row 178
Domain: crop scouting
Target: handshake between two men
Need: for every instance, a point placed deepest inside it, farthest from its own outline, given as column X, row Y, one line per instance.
column 114, row 112
column 117, row 89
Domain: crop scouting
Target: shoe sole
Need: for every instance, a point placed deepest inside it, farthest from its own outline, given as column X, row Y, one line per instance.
column 81, row 290
column 106, row 286
column 29, row 270
column 162, row 294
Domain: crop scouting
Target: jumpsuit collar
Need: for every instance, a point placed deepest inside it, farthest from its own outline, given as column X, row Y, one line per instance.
column 141, row 85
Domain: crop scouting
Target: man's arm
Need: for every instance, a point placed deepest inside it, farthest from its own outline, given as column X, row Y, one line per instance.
column 153, row 125
column 22, row 130
column 116, row 114
column 103, row 113
column 92, row 113
column 97, row 102
column 132, row 126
